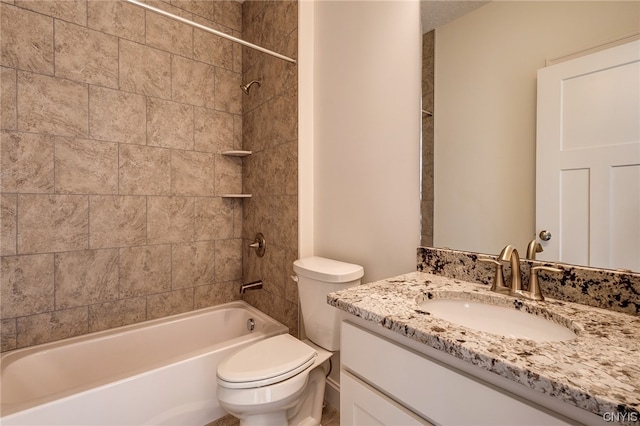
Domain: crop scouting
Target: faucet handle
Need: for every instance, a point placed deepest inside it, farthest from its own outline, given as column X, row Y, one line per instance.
column 534, row 286
column 533, row 248
column 498, row 279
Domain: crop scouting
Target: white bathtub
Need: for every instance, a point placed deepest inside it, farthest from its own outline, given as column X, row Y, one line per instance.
column 160, row 372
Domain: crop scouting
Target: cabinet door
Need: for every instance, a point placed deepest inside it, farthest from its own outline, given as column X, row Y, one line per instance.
column 362, row 405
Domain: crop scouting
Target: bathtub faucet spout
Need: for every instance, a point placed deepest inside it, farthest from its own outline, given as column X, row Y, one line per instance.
column 254, row 285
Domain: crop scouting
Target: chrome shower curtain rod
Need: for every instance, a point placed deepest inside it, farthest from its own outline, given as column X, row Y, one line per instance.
column 210, row 30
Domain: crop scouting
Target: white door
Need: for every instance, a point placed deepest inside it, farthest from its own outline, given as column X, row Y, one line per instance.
column 588, row 159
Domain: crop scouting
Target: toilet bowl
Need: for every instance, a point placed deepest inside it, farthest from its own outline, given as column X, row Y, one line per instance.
column 263, row 382
column 281, row 380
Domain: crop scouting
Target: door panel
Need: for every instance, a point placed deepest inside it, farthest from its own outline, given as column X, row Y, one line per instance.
column 600, row 108
column 625, row 205
column 588, row 159
column 574, row 205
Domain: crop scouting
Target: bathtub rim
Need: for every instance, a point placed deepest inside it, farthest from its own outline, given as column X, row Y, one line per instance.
column 6, row 359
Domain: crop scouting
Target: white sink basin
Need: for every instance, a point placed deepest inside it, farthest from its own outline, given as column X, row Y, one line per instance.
column 497, row 320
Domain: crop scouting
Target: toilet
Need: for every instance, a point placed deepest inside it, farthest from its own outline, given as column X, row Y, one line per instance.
column 280, row 380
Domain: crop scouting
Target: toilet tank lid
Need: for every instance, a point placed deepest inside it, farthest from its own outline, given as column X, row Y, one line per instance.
column 327, row 270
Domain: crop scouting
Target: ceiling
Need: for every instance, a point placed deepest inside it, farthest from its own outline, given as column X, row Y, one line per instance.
column 439, row 12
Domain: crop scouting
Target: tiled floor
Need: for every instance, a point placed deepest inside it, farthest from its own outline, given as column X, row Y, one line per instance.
column 330, row 417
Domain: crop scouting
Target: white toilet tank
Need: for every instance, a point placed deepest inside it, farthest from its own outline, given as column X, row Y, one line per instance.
column 317, row 277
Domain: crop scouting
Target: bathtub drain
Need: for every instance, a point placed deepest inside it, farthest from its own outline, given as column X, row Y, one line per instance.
column 251, row 324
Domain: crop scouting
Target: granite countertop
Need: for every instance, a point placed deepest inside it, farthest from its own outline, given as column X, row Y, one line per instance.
column 598, row 371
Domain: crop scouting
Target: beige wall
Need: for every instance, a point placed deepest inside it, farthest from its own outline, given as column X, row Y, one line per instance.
column 485, row 118
column 366, row 133
column 111, row 167
column 270, row 122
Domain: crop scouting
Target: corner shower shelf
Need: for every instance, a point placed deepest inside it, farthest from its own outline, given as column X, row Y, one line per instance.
column 236, row 153
column 235, row 195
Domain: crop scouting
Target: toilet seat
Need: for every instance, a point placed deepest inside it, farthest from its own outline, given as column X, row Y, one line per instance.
column 266, row 362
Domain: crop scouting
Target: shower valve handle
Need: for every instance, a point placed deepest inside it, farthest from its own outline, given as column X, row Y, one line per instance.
column 259, row 244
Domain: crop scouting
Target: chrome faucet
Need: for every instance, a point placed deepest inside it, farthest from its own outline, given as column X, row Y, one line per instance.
column 509, row 253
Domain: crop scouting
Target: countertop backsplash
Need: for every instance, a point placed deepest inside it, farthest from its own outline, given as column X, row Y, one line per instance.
column 602, row 288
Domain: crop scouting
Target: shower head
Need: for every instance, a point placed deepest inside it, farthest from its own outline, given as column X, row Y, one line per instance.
column 245, row 87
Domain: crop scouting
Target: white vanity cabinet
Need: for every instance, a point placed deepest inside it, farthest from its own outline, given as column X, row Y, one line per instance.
column 384, row 382
column 361, row 404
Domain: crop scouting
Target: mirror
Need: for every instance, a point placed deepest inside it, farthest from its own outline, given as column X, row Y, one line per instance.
column 484, row 111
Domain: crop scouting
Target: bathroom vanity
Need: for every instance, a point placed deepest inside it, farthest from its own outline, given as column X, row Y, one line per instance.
column 415, row 385
column 401, row 364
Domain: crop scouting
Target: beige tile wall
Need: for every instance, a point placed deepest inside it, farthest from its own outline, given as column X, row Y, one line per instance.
column 426, row 204
column 113, row 120
column 271, row 174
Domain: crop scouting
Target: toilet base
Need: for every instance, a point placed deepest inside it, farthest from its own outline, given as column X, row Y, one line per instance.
column 277, row 418
column 308, row 412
